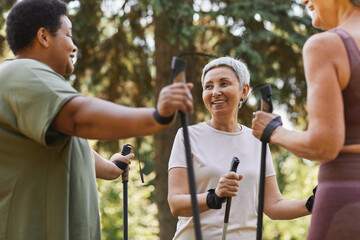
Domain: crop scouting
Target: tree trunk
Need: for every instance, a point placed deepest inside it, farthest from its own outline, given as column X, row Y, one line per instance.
column 163, row 140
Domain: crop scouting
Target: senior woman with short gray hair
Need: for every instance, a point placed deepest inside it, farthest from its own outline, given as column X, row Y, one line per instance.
column 225, row 83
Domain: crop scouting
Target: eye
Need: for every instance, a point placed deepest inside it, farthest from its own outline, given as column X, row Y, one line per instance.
column 224, row 84
column 208, row 86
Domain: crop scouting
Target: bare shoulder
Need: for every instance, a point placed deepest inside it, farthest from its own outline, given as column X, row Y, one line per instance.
column 327, row 43
column 328, row 53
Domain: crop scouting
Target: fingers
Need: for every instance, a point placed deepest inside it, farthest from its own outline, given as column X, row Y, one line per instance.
column 118, row 157
column 260, row 120
column 176, row 96
column 228, row 185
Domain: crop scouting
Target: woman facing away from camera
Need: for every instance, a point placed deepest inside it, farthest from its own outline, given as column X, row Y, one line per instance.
column 332, row 70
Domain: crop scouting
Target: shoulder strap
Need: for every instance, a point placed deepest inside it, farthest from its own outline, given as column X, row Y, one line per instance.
column 352, row 48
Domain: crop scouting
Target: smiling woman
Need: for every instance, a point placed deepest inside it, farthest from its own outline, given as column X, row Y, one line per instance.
column 225, row 83
column 331, row 63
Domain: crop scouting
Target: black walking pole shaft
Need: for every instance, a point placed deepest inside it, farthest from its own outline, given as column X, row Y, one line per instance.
column 178, row 66
column 266, row 105
column 233, row 168
column 125, row 178
column 125, row 210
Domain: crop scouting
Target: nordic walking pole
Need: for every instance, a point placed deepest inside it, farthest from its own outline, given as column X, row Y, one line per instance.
column 233, row 168
column 125, row 179
column 266, row 106
column 178, row 66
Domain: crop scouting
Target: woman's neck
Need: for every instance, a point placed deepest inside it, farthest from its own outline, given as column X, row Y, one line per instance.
column 225, row 125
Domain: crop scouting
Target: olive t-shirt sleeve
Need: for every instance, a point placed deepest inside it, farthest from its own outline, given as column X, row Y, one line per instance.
column 36, row 102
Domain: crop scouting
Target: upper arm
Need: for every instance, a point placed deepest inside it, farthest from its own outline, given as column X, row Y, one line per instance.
column 324, row 101
column 178, row 181
column 272, row 194
column 64, row 121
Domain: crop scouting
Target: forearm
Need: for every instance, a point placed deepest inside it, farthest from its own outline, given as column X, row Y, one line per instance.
column 306, row 144
column 180, row 204
column 94, row 118
column 103, row 167
column 287, row 209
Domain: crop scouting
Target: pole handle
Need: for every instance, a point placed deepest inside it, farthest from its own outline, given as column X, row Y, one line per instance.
column 233, row 168
column 234, row 164
column 178, row 66
column 266, row 103
column 125, row 150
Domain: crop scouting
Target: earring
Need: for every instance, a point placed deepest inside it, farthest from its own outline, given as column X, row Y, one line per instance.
column 240, row 103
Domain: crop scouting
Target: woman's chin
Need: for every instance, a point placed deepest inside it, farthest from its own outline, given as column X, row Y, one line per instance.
column 69, row 69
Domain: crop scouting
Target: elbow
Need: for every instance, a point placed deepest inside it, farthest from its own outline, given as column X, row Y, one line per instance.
column 326, row 149
column 273, row 215
column 327, row 154
column 174, row 211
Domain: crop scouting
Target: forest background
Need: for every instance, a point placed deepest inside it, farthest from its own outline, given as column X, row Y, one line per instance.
column 124, row 55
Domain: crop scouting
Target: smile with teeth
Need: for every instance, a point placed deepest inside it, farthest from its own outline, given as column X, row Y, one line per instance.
column 218, row 102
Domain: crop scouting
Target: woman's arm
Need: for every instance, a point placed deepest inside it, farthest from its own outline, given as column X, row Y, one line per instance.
column 94, row 118
column 179, row 194
column 179, row 197
column 106, row 169
column 325, row 136
column 276, row 208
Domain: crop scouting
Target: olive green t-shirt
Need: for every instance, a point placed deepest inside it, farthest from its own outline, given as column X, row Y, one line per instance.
column 47, row 179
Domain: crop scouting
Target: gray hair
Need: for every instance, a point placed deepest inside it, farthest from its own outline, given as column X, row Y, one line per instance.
column 356, row 2
column 240, row 69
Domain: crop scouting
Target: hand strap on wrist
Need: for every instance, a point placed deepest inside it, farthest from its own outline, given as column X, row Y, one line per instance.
column 213, row 201
column 310, row 202
column 162, row 120
column 265, row 137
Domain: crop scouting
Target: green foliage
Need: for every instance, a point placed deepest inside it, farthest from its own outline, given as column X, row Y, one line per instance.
column 296, row 179
column 142, row 213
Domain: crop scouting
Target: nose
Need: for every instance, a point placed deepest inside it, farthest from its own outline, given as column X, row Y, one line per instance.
column 74, row 51
column 216, row 91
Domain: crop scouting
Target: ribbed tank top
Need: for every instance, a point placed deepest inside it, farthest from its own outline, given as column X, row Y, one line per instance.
column 351, row 94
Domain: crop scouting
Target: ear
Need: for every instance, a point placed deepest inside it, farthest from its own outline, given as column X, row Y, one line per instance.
column 43, row 37
column 245, row 90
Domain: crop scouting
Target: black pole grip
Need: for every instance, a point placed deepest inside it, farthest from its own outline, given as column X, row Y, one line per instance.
column 233, row 168
column 266, row 104
column 178, row 66
column 125, row 150
column 234, row 164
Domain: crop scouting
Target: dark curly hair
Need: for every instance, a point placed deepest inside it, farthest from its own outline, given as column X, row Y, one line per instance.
column 27, row 16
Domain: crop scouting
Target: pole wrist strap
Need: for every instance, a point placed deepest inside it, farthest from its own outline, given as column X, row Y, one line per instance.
column 269, row 129
column 162, row 120
column 213, row 201
column 310, row 202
